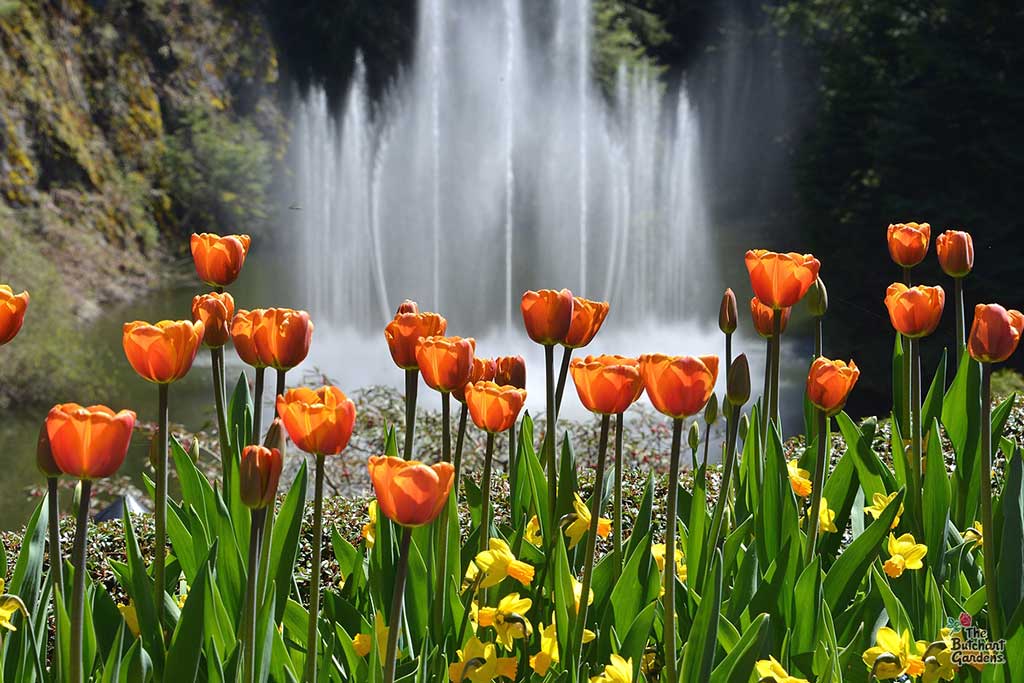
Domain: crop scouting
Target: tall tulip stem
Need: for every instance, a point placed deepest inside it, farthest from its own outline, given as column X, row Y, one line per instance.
column 818, row 336
column 412, row 381
column 441, row 525
column 267, row 520
column 257, row 412
column 728, row 350
column 251, row 601
column 563, row 374
column 916, row 430
column 78, row 594
column 485, row 494
column 995, row 622
column 312, row 638
column 588, row 561
column 160, row 544
column 397, row 600
column 617, row 516
column 766, row 393
column 732, row 429
column 217, row 365
column 56, row 560
column 776, row 352
column 958, row 295
column 670, row 552
column 818, row 484
column 460, row 438
column 549, row 432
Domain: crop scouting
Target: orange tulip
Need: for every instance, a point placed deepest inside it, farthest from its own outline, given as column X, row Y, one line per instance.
column 219, row 259
column 272, row 337
column 408, row 492
column 446, row 362
column 829, row 383
column 679, row 386
column 914, row 311
column 956, row 252
column 494, row 408
column 510, row 370
column 89, row 443
column 12, row 313
column 547, row 315
column 483, row 371
column 405, row 331
column 215, row 310
column 908, row 242
column 781, row 280
column 763, row 318
column 259, row 472
column 607, row 384
column 587, row 318
column 162, row 353
column 995, row 333
column 318, row 421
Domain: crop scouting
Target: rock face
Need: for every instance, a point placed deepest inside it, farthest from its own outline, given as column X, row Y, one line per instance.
column 125, row 125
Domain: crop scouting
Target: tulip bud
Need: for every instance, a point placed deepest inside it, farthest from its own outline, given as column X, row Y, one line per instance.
column 728, row 315
column 44, row 456
column 408, row 306
column 711, row 410
column 259, row 474
column 193, row 452
column 693, row 437
column 817, row 299
column 738, row 381
column 743, row 426
column 275, row 437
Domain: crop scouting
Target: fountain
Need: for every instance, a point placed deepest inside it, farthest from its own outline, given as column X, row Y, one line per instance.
column 497, row 164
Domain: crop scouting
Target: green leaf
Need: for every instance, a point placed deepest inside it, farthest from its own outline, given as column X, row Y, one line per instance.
column 931, row 409
column 635, row 641
column 284, row 546
column 899, row 388
column 140, row 591
column 851, row 567
column 699, row 654
column 936, row 501
column 186, row 649
column 1011, row 549
column 697, row 529
column 874, row 476
column 806, row 606
column 961, row 417
column 738, row 665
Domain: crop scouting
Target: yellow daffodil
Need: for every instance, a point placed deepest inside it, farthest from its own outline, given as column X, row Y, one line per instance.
column 879, row 502
column 370, row 528
column 498, row 562
column 131, row 618
column 580, row 524
column 938, row 659
column 533, row 535
column 508, row 619
column 649, row 663
column 771, row 670
column 826, row 518
column 548, row 653
column 479, row 663
column 619, row 671
column 976, row 535
column 799, row 479
column 363, row 643
column 892, row 656
column 658, row 553
column 9, row 605
column 904, row 553
column 577, row 593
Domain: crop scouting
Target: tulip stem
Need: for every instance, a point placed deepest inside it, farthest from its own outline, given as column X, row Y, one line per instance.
column 617, row 516
column 160, row 544
column 767, row 391
column 412, row 380
column 670, row 552
column 728, row 350
column 776, row 352
column 563, row 373
column 78, row 595
column 460, row 437
column 441, row 525
column 906, row 276
column 280, row 387
column 485, row 495
column 257, row 412
column 312, row 638
column 818, row 484
column 588, row 563
column 56, row 561
column 549, row 435
column 217, row 365
column 512, row 456
column 818, row 341
column 267, row 520
column 988, row 537
column 915, row 434
column 958, row 295
column 249, row 631
column 723, row 493
column 397, row 600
